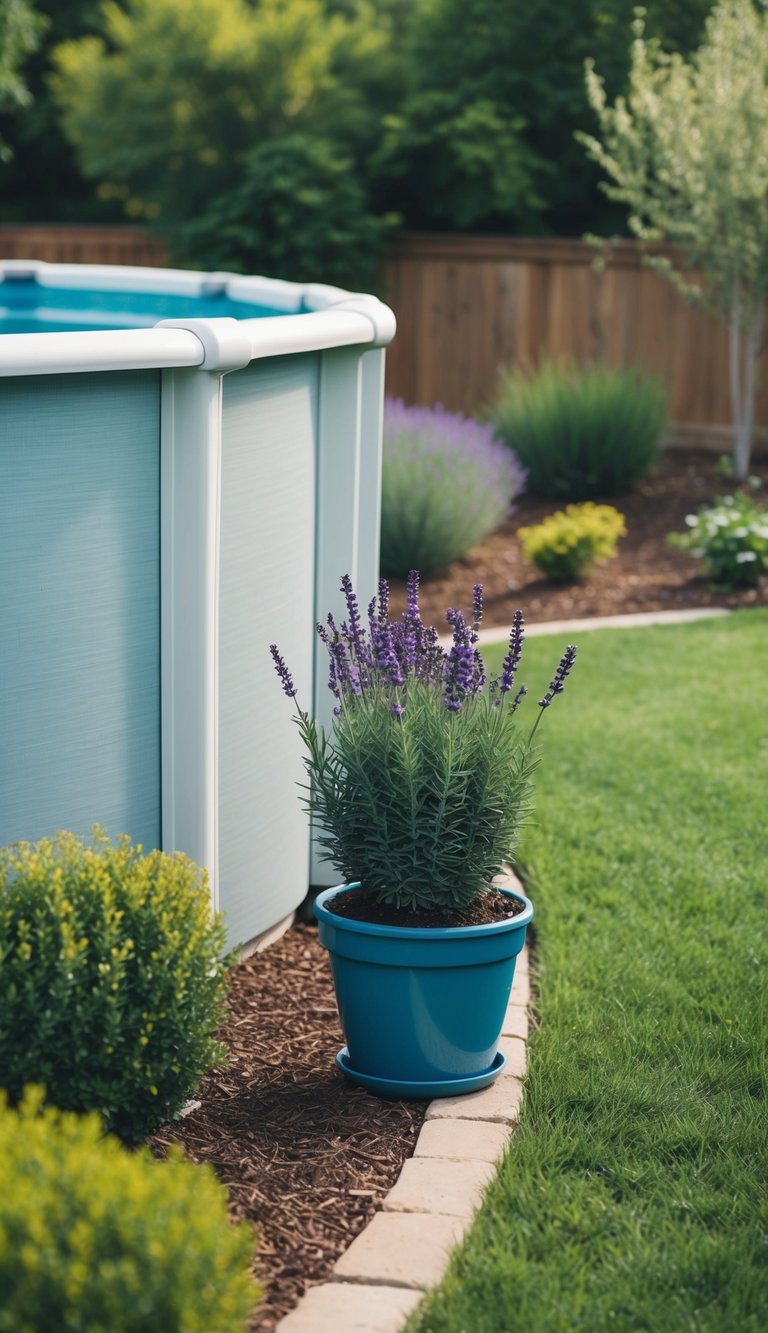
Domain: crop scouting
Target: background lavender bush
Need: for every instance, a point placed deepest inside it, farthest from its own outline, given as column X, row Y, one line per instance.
column 447, row 482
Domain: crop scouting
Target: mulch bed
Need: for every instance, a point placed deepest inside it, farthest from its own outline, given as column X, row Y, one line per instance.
column 647, row 574
column 305, row 1155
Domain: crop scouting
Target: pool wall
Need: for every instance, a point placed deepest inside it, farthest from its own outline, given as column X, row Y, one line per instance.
column 173, row 499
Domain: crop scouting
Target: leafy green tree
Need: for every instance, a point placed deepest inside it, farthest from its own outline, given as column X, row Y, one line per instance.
column 183, row 111
column 494, row 91
column 20, row 31
column 41, row 180
column 686, row 151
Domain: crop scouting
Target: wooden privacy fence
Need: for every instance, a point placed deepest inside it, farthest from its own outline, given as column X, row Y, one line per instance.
column 469, row 306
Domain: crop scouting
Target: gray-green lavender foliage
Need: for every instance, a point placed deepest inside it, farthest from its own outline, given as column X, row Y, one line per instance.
column 424, row 783
column 446, row 483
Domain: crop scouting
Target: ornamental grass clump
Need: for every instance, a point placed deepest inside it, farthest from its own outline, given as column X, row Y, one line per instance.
column 567, row 545
column 112, row 982
column 422, row 787
column 446, row 483
column 95, row 1238
column 730, row 537
column 582, row 434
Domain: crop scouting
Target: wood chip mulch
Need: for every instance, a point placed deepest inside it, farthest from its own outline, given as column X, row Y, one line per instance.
column 647, row 574
column 304, row 1154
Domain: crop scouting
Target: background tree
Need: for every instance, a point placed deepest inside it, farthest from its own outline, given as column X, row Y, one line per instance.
column 203, row 118
column 484, row 137
column 687, row 153
column 41, row 180
column 20, row 31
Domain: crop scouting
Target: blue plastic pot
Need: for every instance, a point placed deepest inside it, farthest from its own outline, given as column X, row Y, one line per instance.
column 421, row 1009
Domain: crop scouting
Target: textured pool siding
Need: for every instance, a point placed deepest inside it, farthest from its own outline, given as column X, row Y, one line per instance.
column 80, row 605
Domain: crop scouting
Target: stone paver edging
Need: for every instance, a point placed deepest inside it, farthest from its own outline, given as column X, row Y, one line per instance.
column 404, row 1250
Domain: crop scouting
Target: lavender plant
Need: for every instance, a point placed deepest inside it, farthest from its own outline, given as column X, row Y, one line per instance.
column 446, row 483
column 425, row 782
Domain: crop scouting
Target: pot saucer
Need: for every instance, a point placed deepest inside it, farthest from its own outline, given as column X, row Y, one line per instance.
column 447, row 1087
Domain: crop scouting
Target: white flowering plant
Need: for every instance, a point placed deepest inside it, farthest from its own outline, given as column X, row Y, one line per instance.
column 730, row 537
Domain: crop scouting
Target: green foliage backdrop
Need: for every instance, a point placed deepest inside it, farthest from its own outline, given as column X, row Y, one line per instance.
column 290, row 135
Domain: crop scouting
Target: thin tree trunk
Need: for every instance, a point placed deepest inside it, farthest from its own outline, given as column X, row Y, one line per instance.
column 750, row 342
column 734, row 348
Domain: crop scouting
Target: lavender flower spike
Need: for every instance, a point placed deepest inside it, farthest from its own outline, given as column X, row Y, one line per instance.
column 515, row 652
column 285, row 676
column 355, row 632
column 413, row 595
column 459, row 666
column 558, row 681
column 477, row 610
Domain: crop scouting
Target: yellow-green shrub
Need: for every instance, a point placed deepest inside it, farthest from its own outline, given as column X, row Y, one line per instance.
column 567, row 544
column 111, row 983
column 94, row 1239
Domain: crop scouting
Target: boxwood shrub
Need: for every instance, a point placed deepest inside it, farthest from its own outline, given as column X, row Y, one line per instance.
column 112, row 983
column 96, row 1238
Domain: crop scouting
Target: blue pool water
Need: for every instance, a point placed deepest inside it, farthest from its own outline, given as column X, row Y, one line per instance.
column 28, row 306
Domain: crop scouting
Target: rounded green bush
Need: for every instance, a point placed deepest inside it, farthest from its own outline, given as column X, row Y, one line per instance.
column 581, row 434
column 96, row 1239
column 111, row 984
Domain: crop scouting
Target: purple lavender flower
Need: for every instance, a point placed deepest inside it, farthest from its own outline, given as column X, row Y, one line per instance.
column 285, row 676
column 386, row 658
column 354, row 630
column 558, row 680
column 459, row 666
column 477, row 610
column 431, row 663
column 515, row 652
column 383, row 602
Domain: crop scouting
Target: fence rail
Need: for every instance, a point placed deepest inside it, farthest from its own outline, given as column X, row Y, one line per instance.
column 469, row 306
column 82, row 245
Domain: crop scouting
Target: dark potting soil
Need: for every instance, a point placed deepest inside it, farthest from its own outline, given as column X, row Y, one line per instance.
column 362, row 905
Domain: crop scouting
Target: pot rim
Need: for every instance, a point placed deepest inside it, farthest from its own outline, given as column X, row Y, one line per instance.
column 419, row 932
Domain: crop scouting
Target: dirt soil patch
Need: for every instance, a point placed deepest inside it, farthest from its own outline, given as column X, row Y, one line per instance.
column 647, row 574
column 305, row 1155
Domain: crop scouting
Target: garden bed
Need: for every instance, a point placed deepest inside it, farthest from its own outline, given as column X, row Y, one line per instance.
column 648, row 574
column 306, row 1156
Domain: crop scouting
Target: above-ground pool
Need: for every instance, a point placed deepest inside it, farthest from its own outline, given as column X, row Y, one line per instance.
column 188, row 464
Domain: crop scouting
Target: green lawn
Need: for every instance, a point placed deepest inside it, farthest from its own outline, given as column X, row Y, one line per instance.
column 634, row 1194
